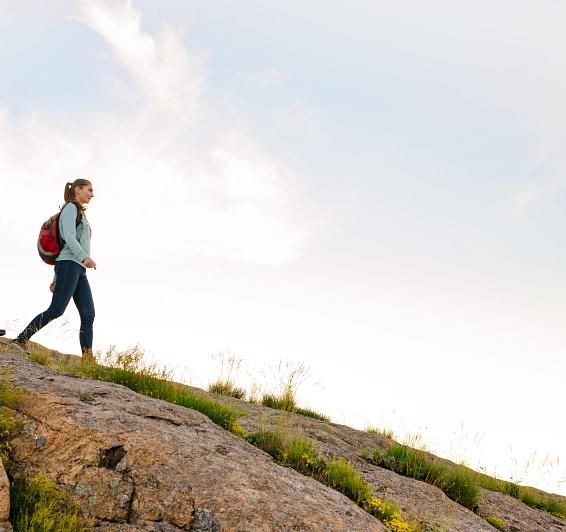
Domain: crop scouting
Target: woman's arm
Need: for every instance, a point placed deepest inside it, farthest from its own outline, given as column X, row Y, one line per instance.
column 68, row 228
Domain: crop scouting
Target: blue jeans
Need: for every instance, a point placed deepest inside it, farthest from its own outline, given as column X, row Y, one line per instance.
column 71, row 281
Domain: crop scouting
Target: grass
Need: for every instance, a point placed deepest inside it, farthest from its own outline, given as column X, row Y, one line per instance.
column 38, row 506
column 460, row 483
column 457, row 483
column 227, row 388
column 290, row 377
column 496, row 522
column 302, row 455
column 10, row 397
column 341, row 476
column 224, row 384
column 286, row 401
column 131, row 369
column 35, row 506
column 39, row 355
column 387, row 433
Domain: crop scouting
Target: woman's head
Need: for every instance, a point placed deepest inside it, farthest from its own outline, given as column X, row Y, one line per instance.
column 79, row 192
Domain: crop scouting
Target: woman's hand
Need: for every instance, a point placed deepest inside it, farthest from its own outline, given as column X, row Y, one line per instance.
column 89, row 263
column 52, row 287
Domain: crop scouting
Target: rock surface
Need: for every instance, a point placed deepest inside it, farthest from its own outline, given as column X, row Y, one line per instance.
column 136, row 463
column 418, row 501
column 5, row 525
column 516, row 515
column 4, row 495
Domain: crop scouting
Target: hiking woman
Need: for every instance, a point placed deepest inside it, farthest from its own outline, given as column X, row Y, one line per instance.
column 70, row 268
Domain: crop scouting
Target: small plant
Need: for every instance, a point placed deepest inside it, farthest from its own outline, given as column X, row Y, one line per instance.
column 10, row 397
column 224, row 384
column 272, row 442
column 458, row 483
column 38, row 506
column 311, row 413
column 534, row 499
column 381, row 509
column 496, row 522
column 286, row 399
column 386, row 433
column 130, row 368
column 227, row 388
column 284, row 402
column 39, row 354
column 342, row 476
column 302, row 455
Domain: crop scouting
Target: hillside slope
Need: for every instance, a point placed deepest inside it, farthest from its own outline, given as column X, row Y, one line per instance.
column 135, row 463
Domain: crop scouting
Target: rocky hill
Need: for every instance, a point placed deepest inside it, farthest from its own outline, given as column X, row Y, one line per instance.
column 131, row 462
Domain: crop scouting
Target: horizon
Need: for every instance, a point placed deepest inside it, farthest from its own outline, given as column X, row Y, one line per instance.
column 374, row 191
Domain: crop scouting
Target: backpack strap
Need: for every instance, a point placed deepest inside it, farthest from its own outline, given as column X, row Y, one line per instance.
column 79, row 213
column 77, row 221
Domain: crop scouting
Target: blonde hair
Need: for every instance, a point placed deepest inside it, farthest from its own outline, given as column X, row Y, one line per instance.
column 70, row 191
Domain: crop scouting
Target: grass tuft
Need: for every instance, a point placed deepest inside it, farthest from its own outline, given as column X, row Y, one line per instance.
column 496, row 522
column 227, row 388
column 38, row 506
column 457, row 482
column 224, row 384
column 342, row 476
column 10, row 397
column 460, row 483
column 39, row 354
column 386, row 433
column 302, row 455
column 131, row 369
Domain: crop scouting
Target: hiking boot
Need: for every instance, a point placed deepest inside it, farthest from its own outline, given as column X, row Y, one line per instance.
column 22, row 344
column 88, row 357
column 2, row 332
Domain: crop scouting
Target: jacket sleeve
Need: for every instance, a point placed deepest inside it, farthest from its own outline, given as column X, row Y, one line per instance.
column 68, row 229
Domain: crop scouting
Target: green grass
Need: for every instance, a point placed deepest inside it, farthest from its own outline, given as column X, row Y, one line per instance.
column 10, row 397
column 38, row 506
column 290, row 377
column 302, row 455
column 310, row 413
column 457, row 482
column 39, row 355
column 286, row 402
column 387, row 433
column 35, row 506
column 224, row 384
column 226, row 387
column 129, row 368
column 460, row 483
column 531, row 498
column 342, row 476
column 496, row 522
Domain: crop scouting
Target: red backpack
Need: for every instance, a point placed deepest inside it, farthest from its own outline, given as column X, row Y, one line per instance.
column 49, row 242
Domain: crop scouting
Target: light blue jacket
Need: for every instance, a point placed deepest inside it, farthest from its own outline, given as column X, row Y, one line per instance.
column 76, row 237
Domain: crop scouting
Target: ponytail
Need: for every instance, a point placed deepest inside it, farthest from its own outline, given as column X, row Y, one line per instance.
column 69, row 195
column 69, row 192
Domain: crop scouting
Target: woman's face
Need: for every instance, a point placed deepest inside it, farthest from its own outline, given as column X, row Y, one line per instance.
column 84, row 194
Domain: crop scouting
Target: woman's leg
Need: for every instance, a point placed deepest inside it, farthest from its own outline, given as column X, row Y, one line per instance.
column 67, row 276
column 85, row 306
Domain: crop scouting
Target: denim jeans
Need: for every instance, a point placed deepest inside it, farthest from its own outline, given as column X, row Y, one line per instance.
column 71, row 281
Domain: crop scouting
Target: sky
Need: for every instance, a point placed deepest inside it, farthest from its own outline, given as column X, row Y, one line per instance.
column 375, row 191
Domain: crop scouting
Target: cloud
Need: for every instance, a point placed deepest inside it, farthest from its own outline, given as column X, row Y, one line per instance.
column 163, row 163
column 267, row 78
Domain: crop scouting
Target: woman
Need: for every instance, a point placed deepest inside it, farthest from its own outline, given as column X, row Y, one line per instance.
column 70, row 268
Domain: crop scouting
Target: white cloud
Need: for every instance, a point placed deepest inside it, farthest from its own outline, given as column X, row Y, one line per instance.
column 211, row 189
column 267, row 78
